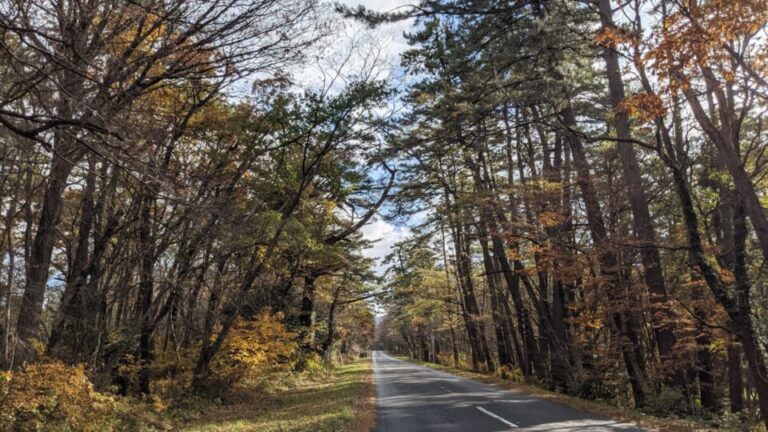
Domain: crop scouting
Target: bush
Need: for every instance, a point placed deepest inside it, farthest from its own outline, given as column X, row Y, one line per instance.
column 53, row 396
column 514, row 374
column 667, row 402
column 596, row 389
column 313, row 365
column 256, row 349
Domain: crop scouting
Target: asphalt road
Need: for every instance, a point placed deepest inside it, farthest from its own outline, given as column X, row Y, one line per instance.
column 420, row 399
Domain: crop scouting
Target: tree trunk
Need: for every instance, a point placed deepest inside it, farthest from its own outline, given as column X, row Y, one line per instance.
column 624, row 324
column 735, row 380
column 146, row 290
column 72, row 303
column 532, row 361
column 710, row 399
column 662, row 318
column 742, row 183
column 503, row 340
column 738, row 310
column 307, row 314
column 325, row 348
column 475, row 329
column 454, row 346
column 42, row 250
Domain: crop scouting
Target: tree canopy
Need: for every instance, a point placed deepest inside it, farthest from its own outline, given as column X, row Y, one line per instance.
column 583, row 182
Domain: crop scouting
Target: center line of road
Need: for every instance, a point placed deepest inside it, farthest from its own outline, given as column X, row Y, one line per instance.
column 501, row 419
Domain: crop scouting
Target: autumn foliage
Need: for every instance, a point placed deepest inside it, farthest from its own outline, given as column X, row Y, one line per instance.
column 259, row 348
column 53, row 396
column 593, row 175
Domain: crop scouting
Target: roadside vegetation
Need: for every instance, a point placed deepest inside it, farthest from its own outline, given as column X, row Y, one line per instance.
column 261, row 382
column 341, row 400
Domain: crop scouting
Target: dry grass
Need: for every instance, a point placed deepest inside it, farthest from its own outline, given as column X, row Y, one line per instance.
column 345, row 401
column 365, row 408
column 598, row 408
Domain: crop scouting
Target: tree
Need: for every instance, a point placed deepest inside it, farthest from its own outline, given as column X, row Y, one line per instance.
column 604, row 199
column 87, row 67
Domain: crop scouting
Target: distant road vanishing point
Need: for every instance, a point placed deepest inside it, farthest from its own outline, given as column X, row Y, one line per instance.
column 413, row 398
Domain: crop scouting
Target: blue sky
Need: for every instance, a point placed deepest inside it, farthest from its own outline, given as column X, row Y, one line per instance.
column 385, row 234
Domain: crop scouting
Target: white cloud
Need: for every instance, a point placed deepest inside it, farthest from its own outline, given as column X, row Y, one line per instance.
column 393, row 30
column 389, row 38
column 379, row 5
column 384, row 235
column 355, row 48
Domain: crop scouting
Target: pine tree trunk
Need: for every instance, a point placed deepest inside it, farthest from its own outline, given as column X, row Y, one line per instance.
column 533, row 362
column 735, row 380
column 742, row 183
column 503, row 340
column 307, row 314
column 738, row 309
column 475, row 329
column 638, row 200
column 624, row 324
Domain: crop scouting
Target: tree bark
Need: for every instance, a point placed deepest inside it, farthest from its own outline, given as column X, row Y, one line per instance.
column 146, row 290
column 503, row 340
column 532, row 361
column 644, row 232
column 624, row 324
column 42, row 250
column 475, row 329
column 738, row 309
column 742, row 183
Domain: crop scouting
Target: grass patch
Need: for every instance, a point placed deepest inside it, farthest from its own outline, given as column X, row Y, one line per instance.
column 344, row 401
column 594, row 407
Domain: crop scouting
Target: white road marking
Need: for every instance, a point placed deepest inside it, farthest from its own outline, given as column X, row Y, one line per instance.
column 501, row 419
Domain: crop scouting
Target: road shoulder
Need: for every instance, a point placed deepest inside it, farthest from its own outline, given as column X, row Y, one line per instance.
column 344, row 401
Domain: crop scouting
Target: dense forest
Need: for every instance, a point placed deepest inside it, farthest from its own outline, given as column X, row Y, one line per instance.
column 177, row 213
column 583, row 183
column 589, row 182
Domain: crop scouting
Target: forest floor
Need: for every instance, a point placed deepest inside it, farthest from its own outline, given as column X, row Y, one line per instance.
column 344, row 401
column 594, row 407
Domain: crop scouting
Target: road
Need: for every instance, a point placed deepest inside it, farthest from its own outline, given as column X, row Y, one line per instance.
column 420, row 399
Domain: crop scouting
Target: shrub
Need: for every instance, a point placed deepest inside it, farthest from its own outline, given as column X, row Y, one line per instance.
column 668, row 401
column 514, row 374
column 256, row 349
column 596, row 389
column 313, row 365
column 53, row 396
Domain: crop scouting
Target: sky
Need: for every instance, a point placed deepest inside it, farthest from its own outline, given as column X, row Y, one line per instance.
column 314, row 73
column 385, row 234
column 393, row 30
